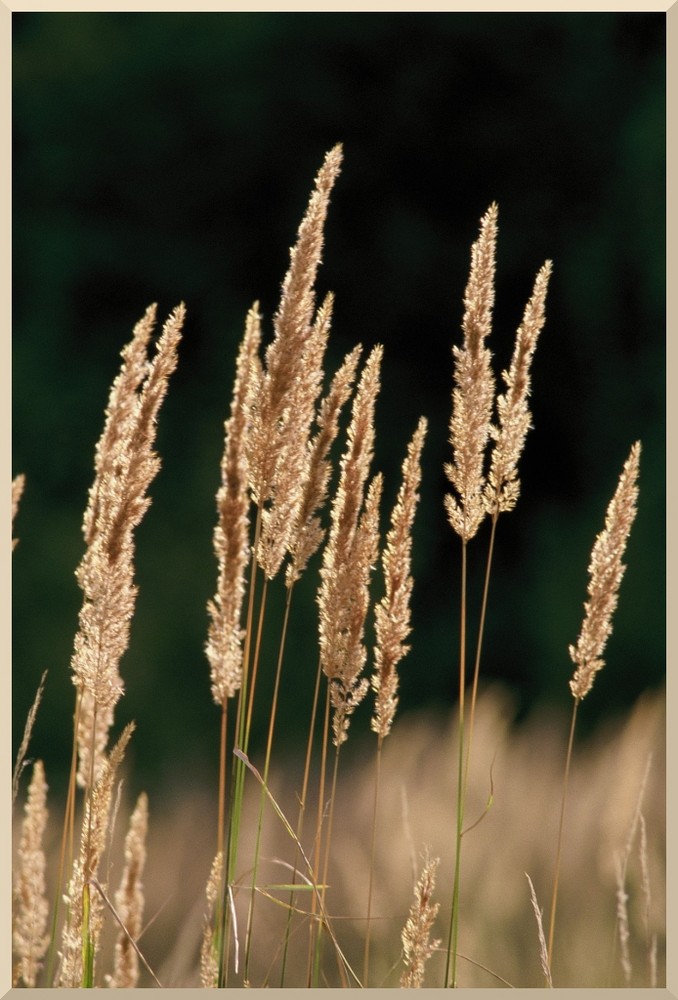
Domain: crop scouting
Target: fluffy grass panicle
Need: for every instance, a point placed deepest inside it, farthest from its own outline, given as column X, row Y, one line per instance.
column 125, row 466
column 31, row 909
column 605, row 575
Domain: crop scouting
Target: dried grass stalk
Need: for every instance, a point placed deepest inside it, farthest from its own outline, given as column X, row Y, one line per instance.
column 605, row 574
column 392, row 614
column 417, row 945
column 231, row 535
column 129, row 899
column 503, row 485
column 348, row 557
column 30, row 901
column 473, row 394
column 125, row 466
column 17, row 490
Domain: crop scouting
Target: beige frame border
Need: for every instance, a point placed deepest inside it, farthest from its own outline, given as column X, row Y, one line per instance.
column 6, row 11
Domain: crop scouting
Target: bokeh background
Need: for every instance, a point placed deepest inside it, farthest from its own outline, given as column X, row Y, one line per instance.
column 168, row 157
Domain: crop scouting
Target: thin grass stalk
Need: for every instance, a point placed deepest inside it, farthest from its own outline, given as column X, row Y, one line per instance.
column 66, row 837
column 223, row 910
column 326, row 863
column 318, row 831
column 267, row 761
column 451, row 963
column 479, row 646
column 375, row 809
column 302, row 812
column 561, row 826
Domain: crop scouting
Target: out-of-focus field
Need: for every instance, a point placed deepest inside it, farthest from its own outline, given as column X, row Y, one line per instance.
column 522, row 764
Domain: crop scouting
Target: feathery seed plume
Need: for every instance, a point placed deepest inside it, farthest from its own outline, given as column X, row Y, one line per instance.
column 415, row 935
column 209, row 965
column 473, row 394
column 392, row 614
column 292, row 468
column 543, row 950
column 285, row 358
column 17, row 489
column 308, row 533
column 21, row 761
column 231, row 535
column 125, row 466
column 605, row 574
column 503, row 486
column 30, row 902
column 129, row 899
column 349, row 555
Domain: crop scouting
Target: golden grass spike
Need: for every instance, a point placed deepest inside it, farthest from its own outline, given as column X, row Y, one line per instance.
column 231, row 534
column 605, row 575
column 473, row 393
column 293, row 459
column 543, row 951
column 18, row 484
column 308, row 533
column 29, row 936
column 21, row 761
column 417, row 945
column 209, row 960
column 285, row 357
column 503, row 485
column 392, row 614
column 129, row 899
column 125, row 465
column 85, row 869
column 342, row 596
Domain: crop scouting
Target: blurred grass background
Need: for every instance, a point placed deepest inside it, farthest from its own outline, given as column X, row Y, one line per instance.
column 168, row 157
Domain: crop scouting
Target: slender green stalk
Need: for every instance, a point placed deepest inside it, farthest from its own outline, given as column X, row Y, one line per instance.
column 556, row 874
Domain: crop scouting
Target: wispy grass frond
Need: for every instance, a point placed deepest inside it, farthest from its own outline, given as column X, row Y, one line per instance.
column 473, row 393
column 126, row 464
column 129, row 899
column 503, row 485
column 29, row 937
column 392, row 614
column 231, row 534
column 417, row 945
column 309, row 534
column 285, row 357
column 81, row 933
column 18, row 485
column 21, row 761
column 543, row 950
column 605, row 575
column 348, row 557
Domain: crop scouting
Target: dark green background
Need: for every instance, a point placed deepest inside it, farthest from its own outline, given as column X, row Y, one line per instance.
column 168, row 157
